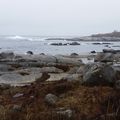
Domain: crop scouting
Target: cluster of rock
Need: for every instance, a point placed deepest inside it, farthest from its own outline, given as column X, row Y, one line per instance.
column 64, row 44
column 23, row 69
column 100, row 73
column 108, row 55
column 20, row 69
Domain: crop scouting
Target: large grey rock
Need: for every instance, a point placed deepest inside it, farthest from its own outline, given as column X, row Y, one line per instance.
column 17, row 79
column 98, row 74
column 37, row 70
column 8, row 55
column 107, row 57
column 104, row 57
column 43, row 60
column 37, row 58
column 10, row 77
column 69, row 60
column 51, row 99
column 111, row 51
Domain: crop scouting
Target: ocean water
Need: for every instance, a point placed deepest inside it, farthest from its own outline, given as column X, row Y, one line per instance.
column 38, row 44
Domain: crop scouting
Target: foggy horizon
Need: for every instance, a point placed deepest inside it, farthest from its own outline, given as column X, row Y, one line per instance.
column 58, row 17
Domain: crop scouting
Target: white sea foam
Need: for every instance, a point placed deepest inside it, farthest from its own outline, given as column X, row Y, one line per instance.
column 32, row 39
column 18, row 38
column 37, row 39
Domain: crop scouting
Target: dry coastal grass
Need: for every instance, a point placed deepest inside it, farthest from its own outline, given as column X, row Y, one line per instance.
column 87, row 103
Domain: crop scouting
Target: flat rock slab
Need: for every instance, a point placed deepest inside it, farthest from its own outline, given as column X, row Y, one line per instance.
column 35, row 70
column 16, row 79
column 47, row 70
column 48, row 59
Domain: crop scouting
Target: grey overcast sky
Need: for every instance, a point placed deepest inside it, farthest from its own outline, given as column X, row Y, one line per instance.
column 58, row 17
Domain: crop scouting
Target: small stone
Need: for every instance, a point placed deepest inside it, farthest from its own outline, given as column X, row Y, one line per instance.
column 67, row 113
column 32, row 96
column 51, row 99
column 17, row 108
column 74, row 54
column 29, row 52
column 93, row 51
column 74, row 43
column 18, row 95
column 42, row 53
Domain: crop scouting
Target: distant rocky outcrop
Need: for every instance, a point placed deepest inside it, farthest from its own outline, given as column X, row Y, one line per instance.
column 112, row 34
column 64, row 44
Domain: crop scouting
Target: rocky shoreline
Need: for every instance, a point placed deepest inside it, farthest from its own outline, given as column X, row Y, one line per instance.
column 45, row 87
column 89, row 38
column 108, row 37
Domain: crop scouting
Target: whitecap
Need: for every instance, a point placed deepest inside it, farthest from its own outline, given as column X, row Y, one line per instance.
column 19, row 38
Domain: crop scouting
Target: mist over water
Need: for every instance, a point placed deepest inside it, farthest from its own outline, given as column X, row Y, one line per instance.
column 58, row 17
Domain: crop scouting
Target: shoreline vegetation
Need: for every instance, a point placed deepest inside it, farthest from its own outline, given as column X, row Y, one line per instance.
column 44, row 87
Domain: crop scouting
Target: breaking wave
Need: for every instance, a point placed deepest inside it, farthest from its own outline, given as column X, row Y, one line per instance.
column 25, row 38
column 18, row 38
